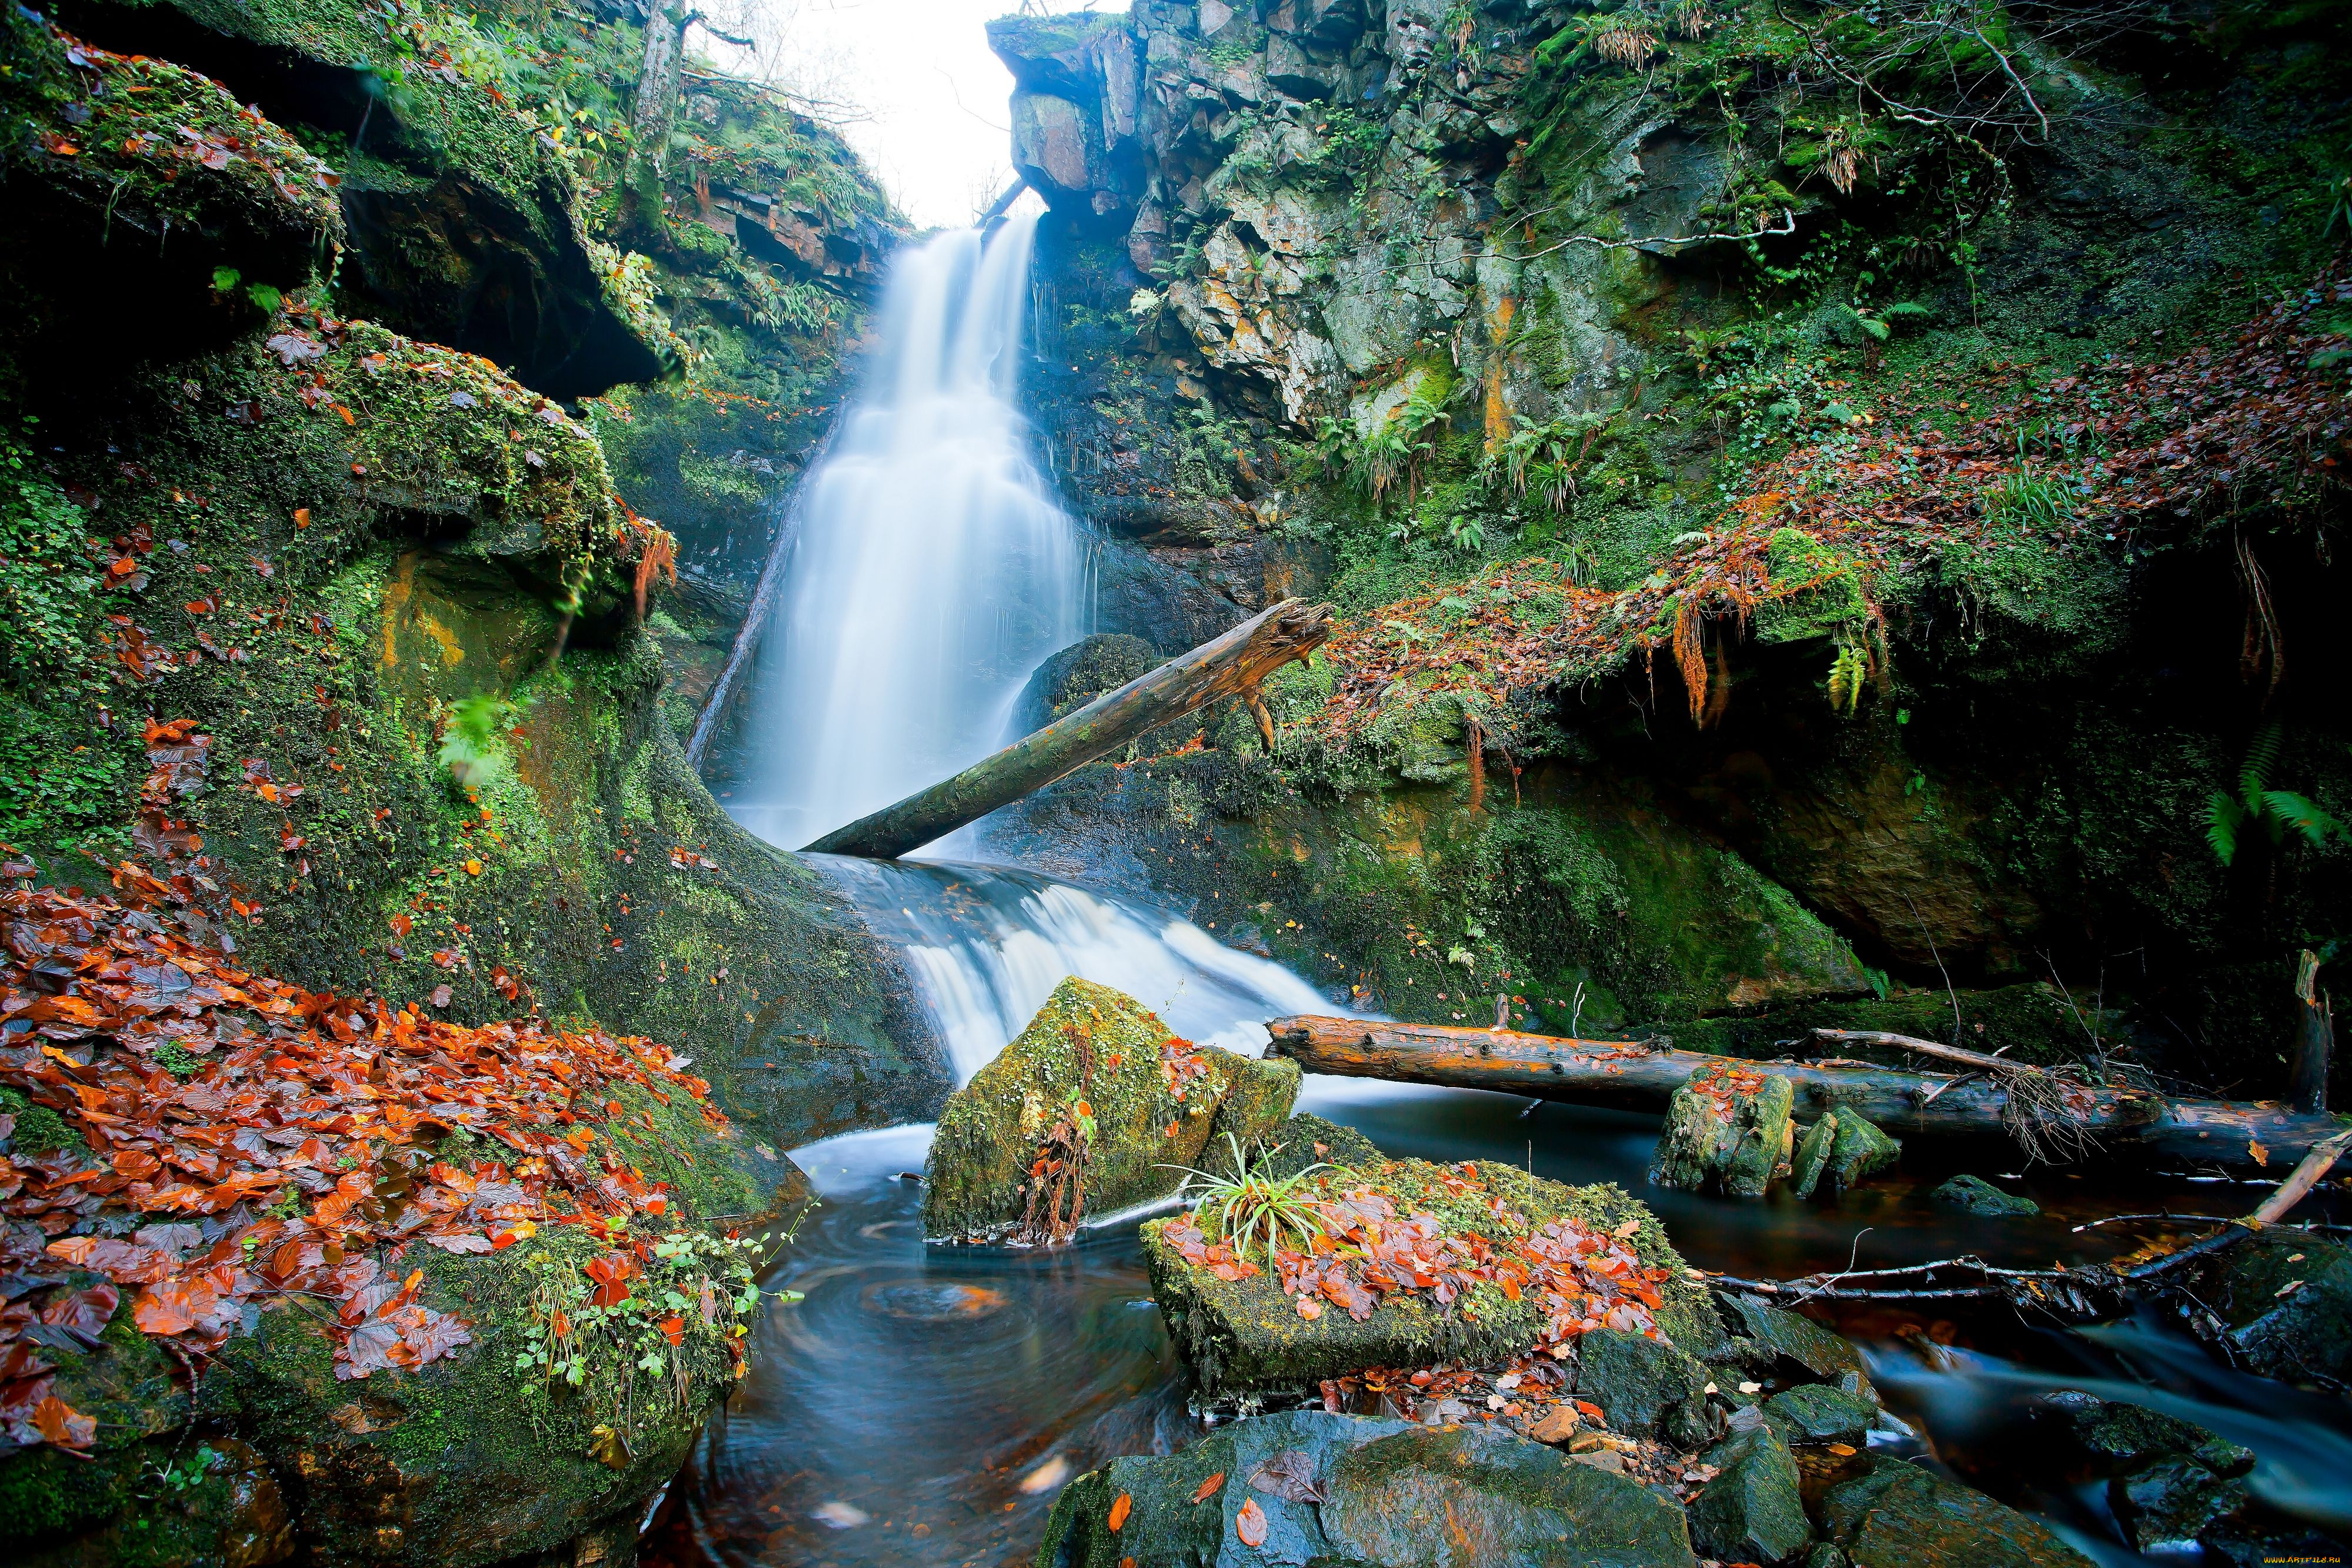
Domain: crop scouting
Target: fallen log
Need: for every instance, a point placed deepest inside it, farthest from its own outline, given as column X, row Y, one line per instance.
column 2233, row 1134
column 1229, row 665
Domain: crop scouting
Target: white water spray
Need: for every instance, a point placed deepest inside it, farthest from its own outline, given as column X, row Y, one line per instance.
column 933, row 571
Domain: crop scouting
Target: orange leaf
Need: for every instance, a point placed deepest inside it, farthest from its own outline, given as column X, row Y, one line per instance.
column 1209, row 1487
column 1587, row 1407
column 302, row 517
column 2261, row 1156
column 1310, row 1308
column 63, row 1426
column 1250, row 1524
column 1119, row 1510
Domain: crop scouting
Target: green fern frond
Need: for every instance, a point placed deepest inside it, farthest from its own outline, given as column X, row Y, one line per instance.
column 2223, row 817
column 2261, row 756
column 2304, row 815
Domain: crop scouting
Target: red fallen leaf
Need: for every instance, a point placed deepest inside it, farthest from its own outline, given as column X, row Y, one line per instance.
column 83, row 1311
column 1119, row 1512
column 63, row 1426
column 674, row 1330
column 124, row 1262
column 464, row 1241
column 400, row 924
column 440, row 996
column 1586, row 1407
column 174, row 1306
column 1209, row 1487
column 1250, row 1523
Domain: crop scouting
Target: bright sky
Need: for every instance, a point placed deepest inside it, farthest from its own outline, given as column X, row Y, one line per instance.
column 920, row 71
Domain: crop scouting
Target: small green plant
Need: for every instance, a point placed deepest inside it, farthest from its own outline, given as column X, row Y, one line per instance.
column 2026, row 499
column 1252, row 1208
column 1847, row 673
column 183, row 1474
column 469, row 741
column 177, row 1059
column 1465, row 533
column 2257, row 805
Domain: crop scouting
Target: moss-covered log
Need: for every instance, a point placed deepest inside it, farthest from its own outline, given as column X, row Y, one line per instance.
column 1230, row 665
column 1634, row 1076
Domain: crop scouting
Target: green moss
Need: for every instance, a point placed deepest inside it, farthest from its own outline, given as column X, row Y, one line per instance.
column 1155, row 1104
column 1817, row 591
column 39, row 1130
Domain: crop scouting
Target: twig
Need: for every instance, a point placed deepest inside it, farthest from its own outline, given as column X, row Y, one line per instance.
column 1949, row 991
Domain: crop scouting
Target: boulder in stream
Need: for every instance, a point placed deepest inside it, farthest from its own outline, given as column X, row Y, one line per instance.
column 1974, row 1194
column 1887, row 1513
column 2285, row 1299
column 1096, row 1107
column 1436, row 1263
column 1310, row 1486
column 1754, row 1510
column 1727, row 1129
column 2168, row 1482
column 1843, row 1146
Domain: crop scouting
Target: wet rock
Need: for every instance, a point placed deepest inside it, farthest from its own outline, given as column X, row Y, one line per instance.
column 1094, row 1057
column 1307, row 1486
column 1752, row 1511
column 1643, row 1387
column 2284, row 1300
column 1780, row 1342
column 1078, row 675
column 1974, row 1194
column 1818, row 1413
column 1244, row 1339
column 1306, row 1140
column 1727, row 1128
column 1843, row 1147
column 1891, row 1515
column 2168, row 1482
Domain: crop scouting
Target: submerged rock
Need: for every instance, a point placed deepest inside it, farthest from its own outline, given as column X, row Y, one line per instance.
column 1843, row 1146
column 1974, row 1194
column 1891, row 1515
column 1727, row 1128
column 1097, row 1064
column 1308, row 1487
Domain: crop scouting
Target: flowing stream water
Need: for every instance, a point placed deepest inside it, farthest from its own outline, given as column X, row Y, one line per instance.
column 922, row 1406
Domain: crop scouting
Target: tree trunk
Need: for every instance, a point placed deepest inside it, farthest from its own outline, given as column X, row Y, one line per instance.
column 1907, row 1105
column 653, row 106
column 2315, row 1039
column 763, row 602
column 1229, row 665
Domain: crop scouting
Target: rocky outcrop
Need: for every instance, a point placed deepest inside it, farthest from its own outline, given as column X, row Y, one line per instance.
column 1076, row 103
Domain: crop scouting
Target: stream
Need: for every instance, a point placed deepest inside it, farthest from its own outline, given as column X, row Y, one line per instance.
column 924, row 1406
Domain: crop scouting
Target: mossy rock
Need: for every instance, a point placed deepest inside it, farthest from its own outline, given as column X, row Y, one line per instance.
column 1075, row 676
column 1156, row 1104
column 1776, row 1341
column 1245, row 1341
column 1976, row 1195
column 1307, row 1140
column 1356, row 1490
column 1844, row 1147
column 1726, row 1129
column 2286, row 1300
column 1818, row 1413
column 1754, row 1510
column 1891, row 1515
column 1645, row 1386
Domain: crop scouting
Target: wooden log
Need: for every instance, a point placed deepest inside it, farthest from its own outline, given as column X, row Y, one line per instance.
column 763, row 602
column 2314, row 1037
column 1229, row 665
column 2216, row 1132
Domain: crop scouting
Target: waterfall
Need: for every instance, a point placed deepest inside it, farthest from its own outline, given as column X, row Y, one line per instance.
column 933, row 570
column 932, row 573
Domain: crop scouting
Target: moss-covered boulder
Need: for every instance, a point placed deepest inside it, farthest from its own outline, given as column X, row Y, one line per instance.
column 1820, row 1413
column 1776, row 1342
column 1753, row 1511
column 1843, row 1148
column 1975, row 1196
column 1886, row 1513
column 1096, row 1066
column 1307, row 1486
column 1459, row 1263
column 1075, row 676
column 1727, row 1129
column 2168, row 1482
column 2285, row 1301
column 1645, row 1386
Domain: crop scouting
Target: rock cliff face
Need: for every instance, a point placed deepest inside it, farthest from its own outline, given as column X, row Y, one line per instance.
column 1824, row 469
column 347, row 645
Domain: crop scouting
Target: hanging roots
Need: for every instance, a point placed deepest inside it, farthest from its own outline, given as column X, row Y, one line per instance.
column 1057, row 1177
column 2034, row 1112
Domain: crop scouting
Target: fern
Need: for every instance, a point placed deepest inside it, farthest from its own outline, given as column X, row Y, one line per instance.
column 2254, row 773
column 2223, row 817
column 2304, row 815
column 1846, row 673
column 2274, row 810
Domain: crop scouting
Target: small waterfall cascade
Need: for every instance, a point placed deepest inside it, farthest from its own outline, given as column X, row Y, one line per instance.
column 933, row 570
column 932, row 575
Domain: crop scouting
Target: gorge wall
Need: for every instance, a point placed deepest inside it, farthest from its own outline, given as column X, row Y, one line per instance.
column 1800, row 486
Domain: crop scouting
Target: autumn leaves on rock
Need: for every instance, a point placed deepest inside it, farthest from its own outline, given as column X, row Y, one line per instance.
column 238, row 1145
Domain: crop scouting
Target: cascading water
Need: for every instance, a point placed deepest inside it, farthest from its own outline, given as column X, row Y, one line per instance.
column 932, row 574
column 933, row 570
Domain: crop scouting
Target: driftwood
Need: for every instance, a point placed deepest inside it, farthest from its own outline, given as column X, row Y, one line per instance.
column 1640, row 1077
column 764, row 603
column 1229, row 665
